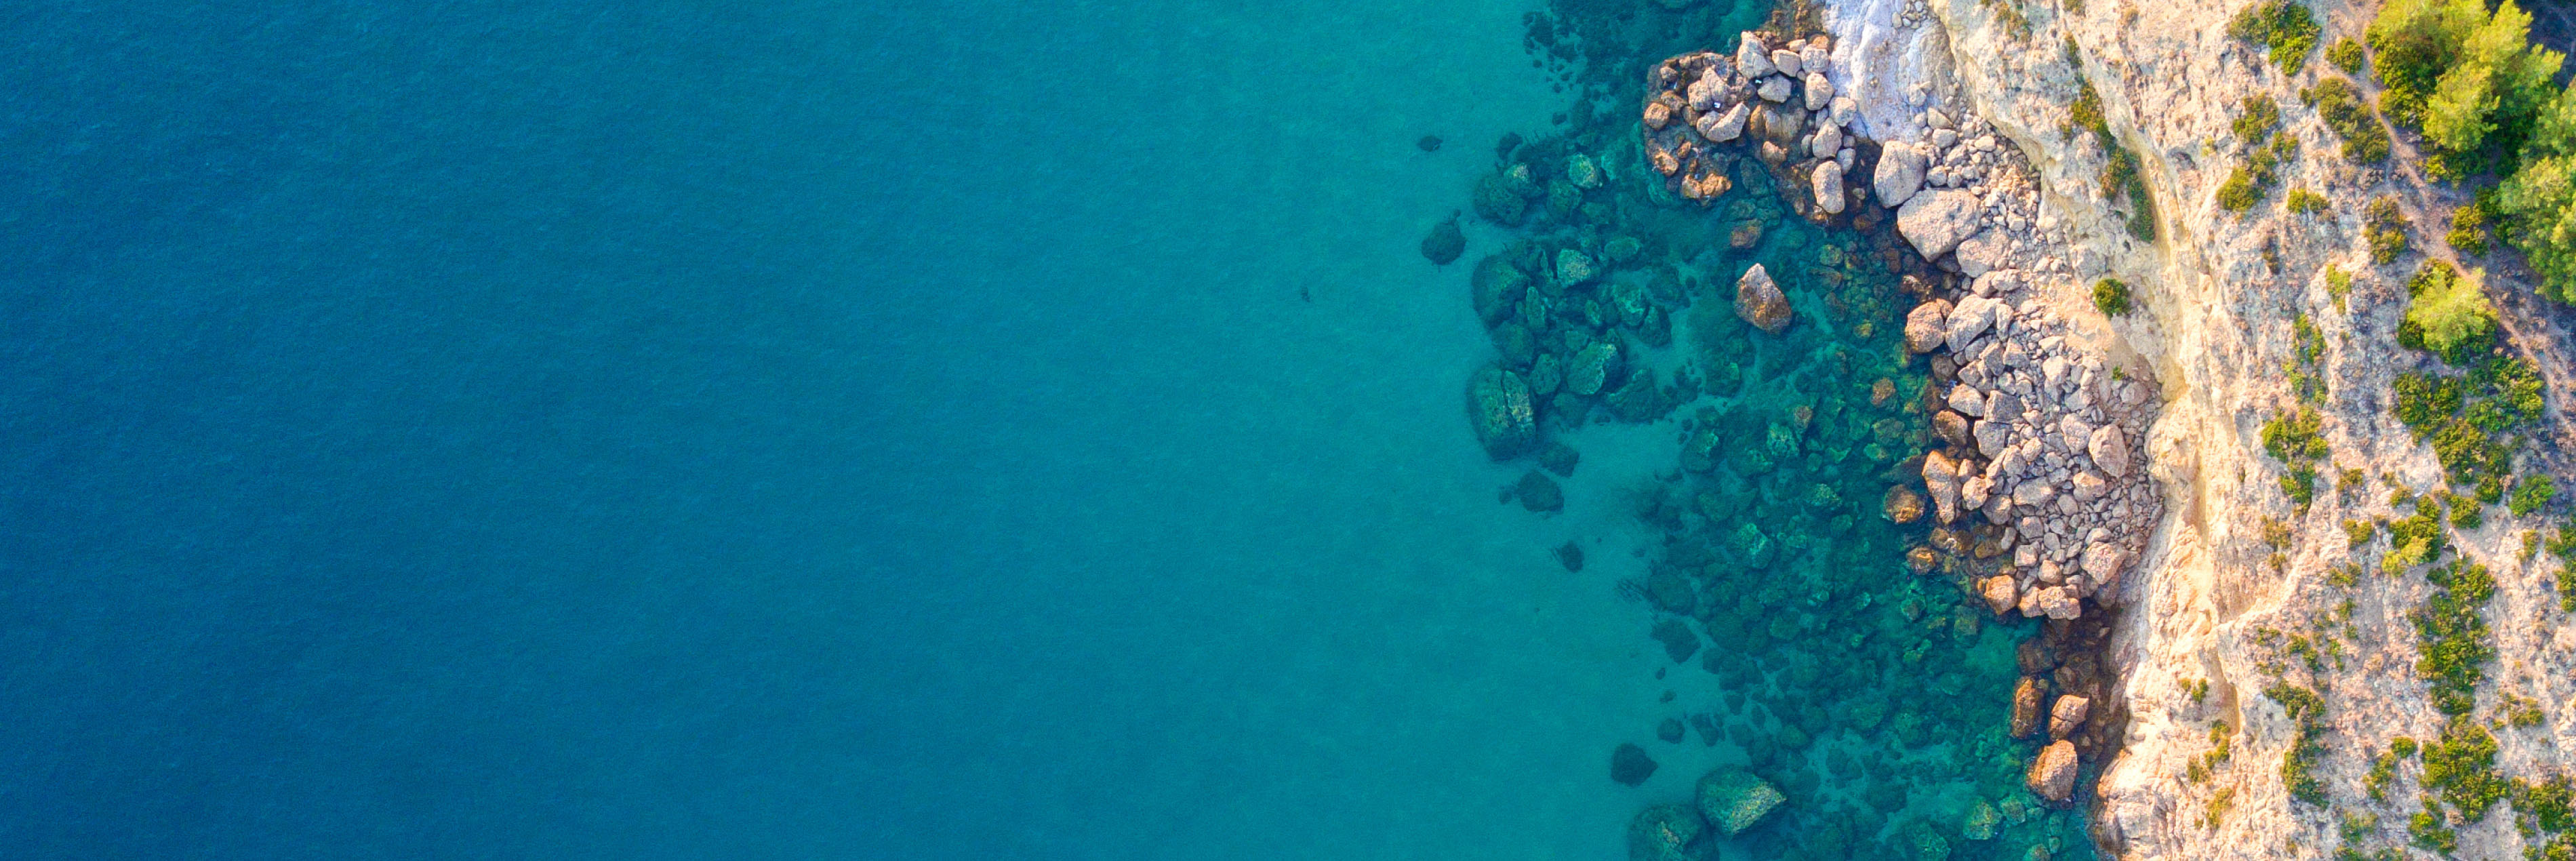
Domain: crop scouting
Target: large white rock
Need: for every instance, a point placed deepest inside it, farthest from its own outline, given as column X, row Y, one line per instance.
column 1934, row 223
column 1829, row 140
column 1925, row 326
column 1774, row 89
column 1829, row 187
column 1727, row 126
column 1941, row 479
column 1752, row 57
column 1899, row 174
column 1985, row 251
column 1968, row 320
column 1819, row 92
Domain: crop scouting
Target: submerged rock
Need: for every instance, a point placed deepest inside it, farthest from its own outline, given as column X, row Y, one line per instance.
column 2028, row 696
column 1734, row 799
column 1570, row 555
column 1679, row 642
column 1497, row 288
column 1559, row 458
column 1445, row 243
column 1630, row 765
column 1758, row 301
column 1663, row 832
column 1501, row 409
column 1540, row 493
column 1574, row 268
column 1497, row 201
column 1593, row 367
column 1902, row 505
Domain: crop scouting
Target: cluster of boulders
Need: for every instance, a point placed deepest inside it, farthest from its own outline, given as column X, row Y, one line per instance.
column 1727, row 801
column 2036, row 485
column 1777, row 99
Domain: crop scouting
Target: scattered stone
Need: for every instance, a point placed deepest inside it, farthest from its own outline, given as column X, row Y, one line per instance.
column 1734, row 799
column 1753, row 58
column 1630, row 765
column 1902, row 504
column 1724, row 126
column 1952, row 428
column 2028, row 695
column 1774, row 90
column 1539, row 493
column 1818, row 91
column 1758, row 301
column 2067, row 714
column 2110, row 450
column 1967, row 400
column 2001, row 593
column 1829, row 188
column 1788, row 62
column 1899, row 174
column 2055, row 602
column 1658, row 115
column 1941, row 479
column 2053, row 776
column 1926, row 326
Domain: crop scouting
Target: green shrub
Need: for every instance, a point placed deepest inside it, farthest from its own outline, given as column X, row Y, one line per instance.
column 2298, row 764
column 2386, row 225
column 2428, row 832
column 2339, row 103
column 2452, row 636
column 2305, row 202
column 2461, row 766
column 2286, row 30
column 2532, row 493
column 2123, row 176
column 2345, row 54
column 2468, row 229
column 2451, row 311
column 2256, row 119
column 2111, row 297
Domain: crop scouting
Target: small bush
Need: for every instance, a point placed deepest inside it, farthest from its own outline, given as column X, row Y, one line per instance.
column 2345, row 54
column 2286, row 30
column 2299, row 763
column 2452, row 636
column 2111, row 297
column 2461, row 766
column 2386, row 225
column 2256, row 119
column 2305, row 202
column 2531, row 494
column 2339, row 103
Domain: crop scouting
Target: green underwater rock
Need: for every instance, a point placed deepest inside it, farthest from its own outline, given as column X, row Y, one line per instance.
column 1498, row 286
column 1663, row 832
column 1630, row 765
column 1445, row 243
column 1505, row 416
column 1734, row 799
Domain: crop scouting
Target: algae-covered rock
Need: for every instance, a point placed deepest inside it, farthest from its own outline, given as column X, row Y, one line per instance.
column 1982, row 821
column 1758, row 301
column 1734, row 799
column 1630, row 765
column 1575, row 268
column 1498, row 286
column 1581, row 170
column 1540, row 493
column 1497, row 202
column 1671, row 592
column 1663, row 832
column 1639, row 400
column 1445, row 243
column 1593, row 367
column 1504, row 415
column 1699, row 450
column 1516, row 344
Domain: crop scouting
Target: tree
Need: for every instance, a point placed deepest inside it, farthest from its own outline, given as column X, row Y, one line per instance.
column 2539, row 203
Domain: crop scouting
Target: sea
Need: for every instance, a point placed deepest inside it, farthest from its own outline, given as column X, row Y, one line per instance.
column 921, row 429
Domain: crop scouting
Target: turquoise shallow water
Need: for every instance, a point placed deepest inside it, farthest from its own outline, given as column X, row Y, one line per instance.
column 933, row 430
column 822, row 429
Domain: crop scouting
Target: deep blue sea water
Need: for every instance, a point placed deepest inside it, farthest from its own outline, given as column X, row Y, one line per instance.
column 780, row 430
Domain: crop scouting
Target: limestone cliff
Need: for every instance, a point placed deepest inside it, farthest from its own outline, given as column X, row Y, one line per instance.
column 2240, row 589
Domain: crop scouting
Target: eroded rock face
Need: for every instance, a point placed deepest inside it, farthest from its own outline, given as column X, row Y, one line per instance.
column 2053, row 776
column 1758, row 301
